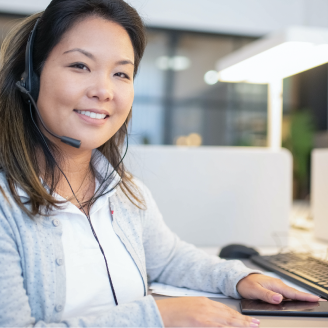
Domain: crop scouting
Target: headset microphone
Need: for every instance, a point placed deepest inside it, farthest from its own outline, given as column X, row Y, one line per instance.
column 29, row 86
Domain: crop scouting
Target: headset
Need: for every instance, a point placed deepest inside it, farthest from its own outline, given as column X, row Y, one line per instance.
column 29, row 86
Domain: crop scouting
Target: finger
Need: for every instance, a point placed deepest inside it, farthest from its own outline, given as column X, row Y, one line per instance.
column 238, row 315
column 268, row 295
column 234, row 316
column 222, row 308
column 242, row 322
column 295, row 294
column 230, row 314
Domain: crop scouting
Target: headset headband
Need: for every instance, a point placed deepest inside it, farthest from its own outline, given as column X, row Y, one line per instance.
column 29, row 80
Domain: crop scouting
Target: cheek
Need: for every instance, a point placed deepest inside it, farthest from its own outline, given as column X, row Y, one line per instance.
column 124, row 101
column 57, row 99
column 59, row 90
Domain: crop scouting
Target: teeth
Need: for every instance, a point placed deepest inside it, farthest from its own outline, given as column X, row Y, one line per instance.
column 92, row 114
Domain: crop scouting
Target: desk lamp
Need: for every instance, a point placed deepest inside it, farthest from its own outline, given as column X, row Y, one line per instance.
column 271, row 59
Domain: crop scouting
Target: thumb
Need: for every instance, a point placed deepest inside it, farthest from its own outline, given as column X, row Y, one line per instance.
column 269, row 296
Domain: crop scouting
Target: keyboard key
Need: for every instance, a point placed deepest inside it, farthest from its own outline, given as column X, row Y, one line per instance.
column 306, row 276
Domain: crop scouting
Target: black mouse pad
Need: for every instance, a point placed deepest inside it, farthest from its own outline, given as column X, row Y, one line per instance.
column 286, row 308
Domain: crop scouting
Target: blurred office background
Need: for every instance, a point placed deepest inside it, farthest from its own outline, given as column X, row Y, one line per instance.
column 177, row 102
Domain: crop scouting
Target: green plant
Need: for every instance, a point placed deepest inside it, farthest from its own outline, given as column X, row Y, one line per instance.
column 300, row 142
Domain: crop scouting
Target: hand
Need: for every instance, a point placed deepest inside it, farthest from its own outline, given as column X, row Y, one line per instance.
column 271, row 290
column 201, row 312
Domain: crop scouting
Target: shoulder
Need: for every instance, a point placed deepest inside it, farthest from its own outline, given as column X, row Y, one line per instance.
column 143, row 193
column 142, row 188
column 9, row 209
column 151, row 211
column 3, row 180
column 5, row 194
column 6, row 197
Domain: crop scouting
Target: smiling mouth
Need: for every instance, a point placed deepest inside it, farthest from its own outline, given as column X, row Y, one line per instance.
column 92, row 114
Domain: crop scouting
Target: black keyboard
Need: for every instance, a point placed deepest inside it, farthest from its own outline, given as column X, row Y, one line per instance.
column 301, row 269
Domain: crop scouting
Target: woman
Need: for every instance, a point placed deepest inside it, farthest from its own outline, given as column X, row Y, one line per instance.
column 80, row 238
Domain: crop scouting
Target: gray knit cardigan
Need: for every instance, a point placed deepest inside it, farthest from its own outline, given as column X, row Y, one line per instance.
column 33, row 284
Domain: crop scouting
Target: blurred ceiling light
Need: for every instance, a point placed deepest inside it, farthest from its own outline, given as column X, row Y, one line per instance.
column 176, row 63
column 270, row 60
column 211, row 77
column 180, row 63
column 181, row 141
column 276, row 56
column 163, row 63
column 192, row 140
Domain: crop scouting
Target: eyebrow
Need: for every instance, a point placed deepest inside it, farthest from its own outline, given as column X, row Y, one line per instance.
column 91, row 56
column 86, row 53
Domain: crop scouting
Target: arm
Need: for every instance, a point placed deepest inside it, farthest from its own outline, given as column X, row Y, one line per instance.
column 172, row 261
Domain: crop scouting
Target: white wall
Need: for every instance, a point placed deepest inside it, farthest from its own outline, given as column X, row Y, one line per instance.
column 245, row 17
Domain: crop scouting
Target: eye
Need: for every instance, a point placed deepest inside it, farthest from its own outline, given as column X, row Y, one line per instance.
column 122, row 75
column 79, row 66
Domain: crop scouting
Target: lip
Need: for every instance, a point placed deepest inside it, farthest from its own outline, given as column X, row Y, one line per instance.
column 93, row 121
column 97, row 111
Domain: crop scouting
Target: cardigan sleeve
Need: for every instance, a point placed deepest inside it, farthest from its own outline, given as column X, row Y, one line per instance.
column 16, row 301
column 172, row 261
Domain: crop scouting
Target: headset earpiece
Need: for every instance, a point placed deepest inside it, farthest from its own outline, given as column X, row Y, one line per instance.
column 35, row 82
column 29, row 79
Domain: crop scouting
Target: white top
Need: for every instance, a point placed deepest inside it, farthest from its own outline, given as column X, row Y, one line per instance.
column 88, row 290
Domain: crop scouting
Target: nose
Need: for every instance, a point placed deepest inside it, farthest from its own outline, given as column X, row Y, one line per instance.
column 102, row 89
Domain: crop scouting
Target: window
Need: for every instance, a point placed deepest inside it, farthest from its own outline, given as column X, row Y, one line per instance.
column 173, row 100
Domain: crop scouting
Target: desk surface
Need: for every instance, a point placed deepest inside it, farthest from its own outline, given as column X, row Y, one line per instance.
column 271, row 321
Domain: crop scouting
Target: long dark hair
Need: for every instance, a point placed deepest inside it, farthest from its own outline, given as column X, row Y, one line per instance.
column 19, row 138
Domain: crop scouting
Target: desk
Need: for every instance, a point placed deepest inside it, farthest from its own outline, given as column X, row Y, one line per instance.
column 271, row 321
column 299, row 241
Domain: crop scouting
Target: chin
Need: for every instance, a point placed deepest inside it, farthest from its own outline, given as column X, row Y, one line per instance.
column 91, row 143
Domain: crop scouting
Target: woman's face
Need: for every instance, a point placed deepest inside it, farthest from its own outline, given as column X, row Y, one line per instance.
column 86, row 85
